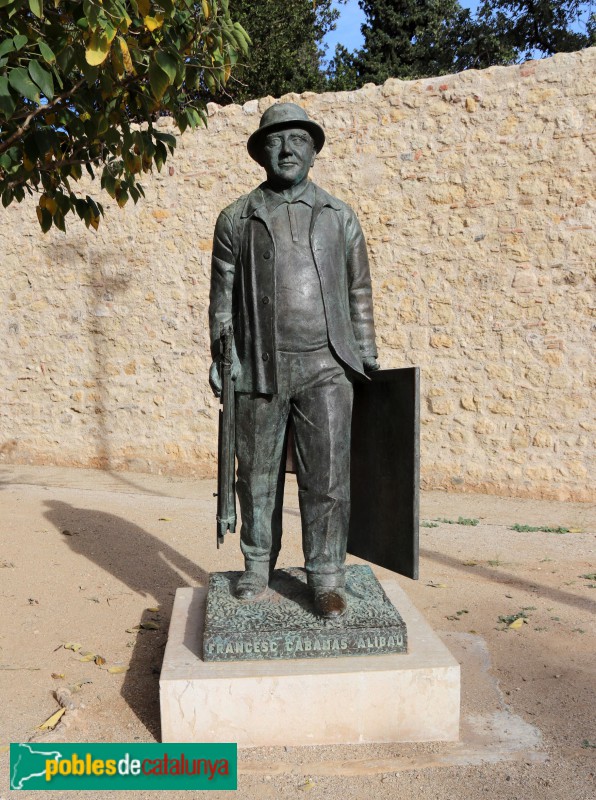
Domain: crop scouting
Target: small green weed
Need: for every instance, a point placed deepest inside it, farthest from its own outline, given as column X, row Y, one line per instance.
column 537, row 529
column 458, row 615
column 426, row 524
column 589, row 576
column 507, row 620
column 458, row 521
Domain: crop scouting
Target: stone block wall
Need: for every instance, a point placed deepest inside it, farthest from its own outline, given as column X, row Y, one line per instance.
column 476, row 194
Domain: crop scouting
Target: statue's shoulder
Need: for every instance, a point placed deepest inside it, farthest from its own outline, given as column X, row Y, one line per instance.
column 235, row 207
column 241, row 207
column 327, row 199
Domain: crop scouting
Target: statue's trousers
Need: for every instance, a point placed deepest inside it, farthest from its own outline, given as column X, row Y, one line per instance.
column 315, row 397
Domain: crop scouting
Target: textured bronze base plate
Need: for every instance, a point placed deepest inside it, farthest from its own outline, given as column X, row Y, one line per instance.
column 283, row 624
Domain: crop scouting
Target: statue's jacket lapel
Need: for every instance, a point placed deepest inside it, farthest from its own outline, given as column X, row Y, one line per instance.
column 340, row 256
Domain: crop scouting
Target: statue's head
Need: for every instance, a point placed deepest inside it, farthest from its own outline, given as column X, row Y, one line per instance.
column 286, row 143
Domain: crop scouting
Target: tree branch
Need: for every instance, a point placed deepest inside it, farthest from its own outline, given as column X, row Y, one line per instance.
column 39, row 110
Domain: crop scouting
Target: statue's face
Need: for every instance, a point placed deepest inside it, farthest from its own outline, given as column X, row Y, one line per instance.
column 287, row 156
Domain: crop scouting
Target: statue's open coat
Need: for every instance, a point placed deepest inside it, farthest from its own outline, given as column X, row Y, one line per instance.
column 243, row 285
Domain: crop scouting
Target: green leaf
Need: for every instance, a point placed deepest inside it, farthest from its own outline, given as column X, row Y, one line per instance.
column 46, row 52
column 81, row 207
column 160, row 156
column 90, row 73
column 45, row 219
column 108, row 182
column 59, row 221
column 22, row 83
column 166, row 138
column 158, row 80
column 42, row 78
column 65, row 58
column 36, row 7
column 7, row 102
column 168, row 63
column 7, row 46
column 91, row 11
column 20, row 41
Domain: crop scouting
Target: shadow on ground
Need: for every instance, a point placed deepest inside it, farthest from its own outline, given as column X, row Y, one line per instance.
column 148, row 567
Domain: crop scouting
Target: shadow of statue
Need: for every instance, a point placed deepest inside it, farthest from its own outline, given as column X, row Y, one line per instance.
column 146, row 565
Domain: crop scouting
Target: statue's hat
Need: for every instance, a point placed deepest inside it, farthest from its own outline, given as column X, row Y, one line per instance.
column 284, row 115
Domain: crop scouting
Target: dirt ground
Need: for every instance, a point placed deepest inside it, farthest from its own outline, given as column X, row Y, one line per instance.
column 86, row 557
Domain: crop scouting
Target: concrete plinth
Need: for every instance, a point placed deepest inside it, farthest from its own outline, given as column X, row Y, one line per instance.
column 411, row 697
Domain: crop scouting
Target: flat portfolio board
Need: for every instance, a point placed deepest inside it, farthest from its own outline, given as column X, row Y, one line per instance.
column 385, row 468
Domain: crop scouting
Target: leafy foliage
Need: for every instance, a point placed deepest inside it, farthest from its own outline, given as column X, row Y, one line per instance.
column 410, row 39
column 534, row 529
column 420, row 38
column 287, row 38
column 541, row 27
column 82, row 83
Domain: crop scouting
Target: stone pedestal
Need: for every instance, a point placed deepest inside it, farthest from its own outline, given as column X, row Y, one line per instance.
column 409, row 697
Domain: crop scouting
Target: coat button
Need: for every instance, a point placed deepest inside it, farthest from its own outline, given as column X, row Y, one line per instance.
column 265, row 356
column 264, row 300
column 267, row 254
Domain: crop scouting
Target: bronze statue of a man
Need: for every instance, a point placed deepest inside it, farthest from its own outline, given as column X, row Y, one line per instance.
column 290, row 274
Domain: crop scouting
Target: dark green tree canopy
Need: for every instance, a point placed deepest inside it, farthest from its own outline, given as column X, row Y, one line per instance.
column 541, row 27
column 287, row 51
column 82, row 82
column 420, row 38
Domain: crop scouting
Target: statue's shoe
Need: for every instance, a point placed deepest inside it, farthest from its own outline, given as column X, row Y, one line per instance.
column 251, row 585
column 330, row 603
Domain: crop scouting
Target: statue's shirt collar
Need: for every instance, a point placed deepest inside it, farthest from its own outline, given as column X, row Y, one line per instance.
column 302, row 194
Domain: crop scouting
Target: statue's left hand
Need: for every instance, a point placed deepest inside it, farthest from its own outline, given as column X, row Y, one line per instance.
column 370, row 364
column 215, row 378
column 215, row 372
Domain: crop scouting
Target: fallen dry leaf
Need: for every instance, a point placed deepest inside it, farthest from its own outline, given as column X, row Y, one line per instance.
column 165, row 519
column 150, row 626
column 88, row 657
column 117, row 669
column 516, row 624
column 57, row 675
column 52, row 721
column 153, row 610
column 99, row 660
column 75, row 646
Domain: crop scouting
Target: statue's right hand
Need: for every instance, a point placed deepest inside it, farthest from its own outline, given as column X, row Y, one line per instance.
column 215, row 378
